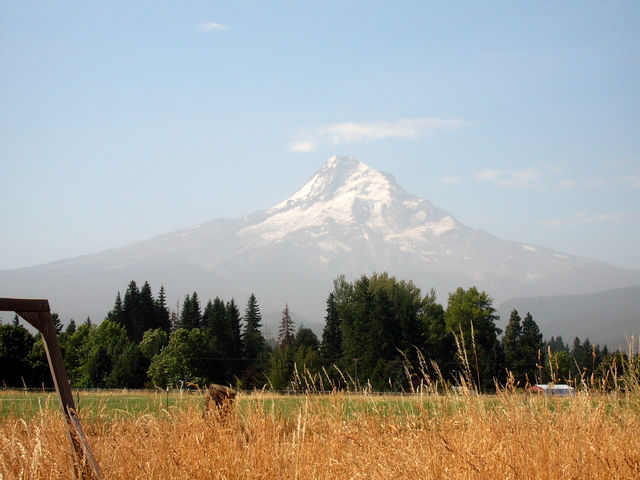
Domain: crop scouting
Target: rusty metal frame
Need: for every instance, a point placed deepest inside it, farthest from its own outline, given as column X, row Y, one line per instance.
column 38, row 314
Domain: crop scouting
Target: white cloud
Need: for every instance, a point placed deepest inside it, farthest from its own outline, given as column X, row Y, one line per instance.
column 211, row 26
column 450, row 180
column 633, row 180
column 527, row 177
column 581, row 217
column 597, row 217
column 552, row 222
column 553, row 177
column 302, row 147
column 352, row 132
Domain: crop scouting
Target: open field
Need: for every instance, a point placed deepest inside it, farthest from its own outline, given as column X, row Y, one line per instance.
column 510, row 435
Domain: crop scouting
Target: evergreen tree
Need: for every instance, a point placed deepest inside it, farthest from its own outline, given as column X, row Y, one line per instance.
column 130, row 308
column 285, row 333
column 511, row 345
column 331, row 349
column 162, row 312
column 207, row 313
column 57, row 323
column 307, row 352
column 355, row 316
column 471, row 309
column 117, row 313
column 217, row 322
column 439, row 345
column 530, row 348
column 384, row 340
column 71, row 328
column 382, row 323
column 190, row 316
column 147, row 312
column 254, row 345
column 231, row 346
column 253, row 341
column 224, row 330
column 16, row 344
column 579, row 360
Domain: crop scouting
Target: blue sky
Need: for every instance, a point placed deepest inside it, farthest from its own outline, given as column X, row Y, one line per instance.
column 123, row 120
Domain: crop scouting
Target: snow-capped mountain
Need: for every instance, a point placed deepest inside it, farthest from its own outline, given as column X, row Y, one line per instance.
column 347, row 219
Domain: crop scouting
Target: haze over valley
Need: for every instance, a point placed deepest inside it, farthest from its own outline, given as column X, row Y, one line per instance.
column 350, row 219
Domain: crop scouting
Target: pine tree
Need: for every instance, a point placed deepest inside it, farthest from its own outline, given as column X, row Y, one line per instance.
column 147, row 312
column 331, row 349
column 285, row 333
column 253, row 341
column 254, row 346
column 71, row 328
column 511, row 345
column 131, row 311
column 57, row 323
column 469, row 309
column 215, row 322
column 162, row 312
column 439, row 343
column 190, row 316
column 233, row 340
column 530, row 347
column 356, row 322
column 117, row 314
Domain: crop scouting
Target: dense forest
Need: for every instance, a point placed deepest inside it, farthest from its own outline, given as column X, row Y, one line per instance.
column 380, row 333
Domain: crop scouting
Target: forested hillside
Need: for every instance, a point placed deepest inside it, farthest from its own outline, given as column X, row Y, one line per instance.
column 380, row 333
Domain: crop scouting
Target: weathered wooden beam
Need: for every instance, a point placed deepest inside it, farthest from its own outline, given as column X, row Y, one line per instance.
column 24, row 305
column 37, row 313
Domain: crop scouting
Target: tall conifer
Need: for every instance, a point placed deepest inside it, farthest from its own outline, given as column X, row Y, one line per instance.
column 331, row 349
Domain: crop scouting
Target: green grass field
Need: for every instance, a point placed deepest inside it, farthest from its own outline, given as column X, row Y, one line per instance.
column 135, row 403
column 91, row 403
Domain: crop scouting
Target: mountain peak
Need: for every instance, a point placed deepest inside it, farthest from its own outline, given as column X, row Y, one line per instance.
column 342, row 163
column 340, row 177
column 347, row 195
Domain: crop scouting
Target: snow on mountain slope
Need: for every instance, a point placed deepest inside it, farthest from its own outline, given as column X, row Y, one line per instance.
column 347, row 219
column 347, row 193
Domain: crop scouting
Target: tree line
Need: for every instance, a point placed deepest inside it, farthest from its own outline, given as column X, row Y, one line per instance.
column 380, row 333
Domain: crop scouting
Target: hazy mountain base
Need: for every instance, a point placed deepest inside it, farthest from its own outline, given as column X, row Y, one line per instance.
column 348, row 219
column 608, row 318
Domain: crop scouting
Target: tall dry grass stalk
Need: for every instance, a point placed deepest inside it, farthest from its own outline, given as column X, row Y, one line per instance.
column 346, row 436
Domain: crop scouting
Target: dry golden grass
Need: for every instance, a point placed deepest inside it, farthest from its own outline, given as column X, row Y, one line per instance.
column 507, row 436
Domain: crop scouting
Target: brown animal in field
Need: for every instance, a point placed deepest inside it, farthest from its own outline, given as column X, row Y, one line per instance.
column 219, row 398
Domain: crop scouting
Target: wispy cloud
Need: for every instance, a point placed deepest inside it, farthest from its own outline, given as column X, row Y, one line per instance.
column 527, row 177
column 308, row 139
column 450, row 180
column 302, row 147
column 582, row 217
column 212, row 26
column 552, row 177
column 633, row 180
